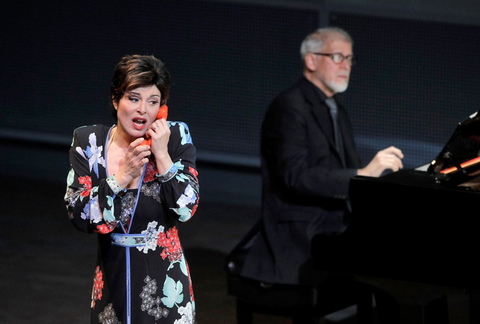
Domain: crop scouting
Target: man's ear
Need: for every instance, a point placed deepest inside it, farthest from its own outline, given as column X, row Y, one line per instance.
column 311, row 62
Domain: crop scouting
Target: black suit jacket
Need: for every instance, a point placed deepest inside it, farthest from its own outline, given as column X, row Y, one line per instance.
column 305, row 184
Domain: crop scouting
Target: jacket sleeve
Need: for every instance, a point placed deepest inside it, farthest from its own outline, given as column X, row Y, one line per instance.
column 303, row 166
column 179, row 185
column 91, row 198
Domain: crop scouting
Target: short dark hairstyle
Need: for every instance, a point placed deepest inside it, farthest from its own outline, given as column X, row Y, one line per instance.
column 135, row 71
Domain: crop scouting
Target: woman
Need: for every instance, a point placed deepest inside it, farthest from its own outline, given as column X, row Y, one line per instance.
column 132, row 195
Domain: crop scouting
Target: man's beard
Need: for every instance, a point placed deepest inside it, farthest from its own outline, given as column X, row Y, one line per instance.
column 338, row 87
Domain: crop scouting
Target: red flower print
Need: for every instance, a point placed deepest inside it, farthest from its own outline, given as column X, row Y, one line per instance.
column 87, row 185
column 192, row 296
column 171, row 244
column 194, row 209
column 194, row 172
column 97, row 286
column 150, row 172
column 106, row 228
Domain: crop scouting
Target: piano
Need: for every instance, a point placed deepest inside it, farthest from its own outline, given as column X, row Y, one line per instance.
column 415, row 226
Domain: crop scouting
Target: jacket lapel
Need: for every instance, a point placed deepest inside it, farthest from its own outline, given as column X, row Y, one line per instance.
column 321, row 115
column 348, row 140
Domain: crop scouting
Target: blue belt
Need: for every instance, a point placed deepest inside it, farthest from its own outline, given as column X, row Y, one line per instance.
column 128, row 240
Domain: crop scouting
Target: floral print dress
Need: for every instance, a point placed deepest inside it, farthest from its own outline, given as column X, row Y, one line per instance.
column 141, row 274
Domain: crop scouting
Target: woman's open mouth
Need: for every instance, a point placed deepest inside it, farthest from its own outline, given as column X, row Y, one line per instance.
column 139, row 123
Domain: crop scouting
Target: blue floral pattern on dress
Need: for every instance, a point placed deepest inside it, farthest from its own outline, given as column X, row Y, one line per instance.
column 141, row 220
column 92, row 153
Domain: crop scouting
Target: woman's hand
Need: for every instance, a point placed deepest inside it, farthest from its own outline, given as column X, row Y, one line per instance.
column 131, row 165
column 160, row 134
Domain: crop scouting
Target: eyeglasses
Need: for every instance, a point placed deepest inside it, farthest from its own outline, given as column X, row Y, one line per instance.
column 338, row 58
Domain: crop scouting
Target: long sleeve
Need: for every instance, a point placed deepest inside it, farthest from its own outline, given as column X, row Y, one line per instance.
column 299, row 155
column 89, row 197
column 179, row 186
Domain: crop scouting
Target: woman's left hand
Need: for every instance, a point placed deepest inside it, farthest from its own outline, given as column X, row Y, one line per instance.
column 159, row 132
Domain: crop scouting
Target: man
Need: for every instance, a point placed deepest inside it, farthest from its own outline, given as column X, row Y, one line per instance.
column 308, row 160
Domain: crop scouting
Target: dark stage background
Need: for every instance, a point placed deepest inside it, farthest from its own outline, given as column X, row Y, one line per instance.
column 415, row 80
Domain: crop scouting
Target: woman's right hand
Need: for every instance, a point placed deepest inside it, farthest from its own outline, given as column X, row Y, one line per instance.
column 131, row 166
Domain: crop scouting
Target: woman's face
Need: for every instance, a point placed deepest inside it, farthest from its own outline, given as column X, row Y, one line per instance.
column 137, row 110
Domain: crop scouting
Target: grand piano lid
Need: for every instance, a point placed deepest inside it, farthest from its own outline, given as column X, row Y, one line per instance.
column 459, row 161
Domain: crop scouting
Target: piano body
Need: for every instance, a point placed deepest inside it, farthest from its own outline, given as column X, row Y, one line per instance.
column 415, row 227
column 406, row 226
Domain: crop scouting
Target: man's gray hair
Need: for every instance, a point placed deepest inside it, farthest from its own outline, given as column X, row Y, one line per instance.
column 316, row 40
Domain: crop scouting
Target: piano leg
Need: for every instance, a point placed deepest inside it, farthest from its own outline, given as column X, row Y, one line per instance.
column 436, row 311
column 474, row 306
column 364, row 304
column 388, row 309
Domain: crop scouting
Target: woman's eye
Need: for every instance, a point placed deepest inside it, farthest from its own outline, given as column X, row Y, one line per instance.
column 133, row 99
column 153, row 102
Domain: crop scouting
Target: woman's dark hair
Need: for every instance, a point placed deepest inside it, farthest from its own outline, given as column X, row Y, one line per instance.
column 135, row 71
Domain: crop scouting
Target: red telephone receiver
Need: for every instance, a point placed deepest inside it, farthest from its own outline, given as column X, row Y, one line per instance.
column 162, row 114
